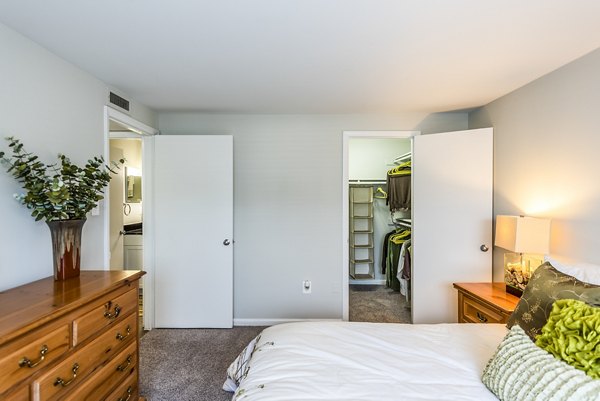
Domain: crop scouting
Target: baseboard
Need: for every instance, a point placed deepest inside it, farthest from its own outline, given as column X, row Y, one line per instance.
column 272, row 322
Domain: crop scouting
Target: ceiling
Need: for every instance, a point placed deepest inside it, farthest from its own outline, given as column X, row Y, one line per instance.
column 311, row 56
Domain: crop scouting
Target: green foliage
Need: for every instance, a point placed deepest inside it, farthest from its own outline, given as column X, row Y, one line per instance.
column 60, row 191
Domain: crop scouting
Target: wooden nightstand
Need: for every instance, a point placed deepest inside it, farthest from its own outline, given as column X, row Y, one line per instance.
column 484, row 302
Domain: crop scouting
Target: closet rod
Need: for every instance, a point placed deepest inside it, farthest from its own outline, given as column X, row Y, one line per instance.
column 369, row 182
column 405, row 156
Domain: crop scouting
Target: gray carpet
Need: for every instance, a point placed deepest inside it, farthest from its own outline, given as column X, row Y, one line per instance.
column 379, row 304
column 189, row 364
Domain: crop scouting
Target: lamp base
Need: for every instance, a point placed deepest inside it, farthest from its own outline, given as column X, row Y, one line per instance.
column 514, row 291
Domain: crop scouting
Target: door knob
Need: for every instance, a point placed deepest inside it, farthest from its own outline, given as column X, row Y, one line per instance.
column 226, row 242
column 484, row 248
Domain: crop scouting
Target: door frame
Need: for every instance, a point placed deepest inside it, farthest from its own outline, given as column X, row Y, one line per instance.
column 146, row 133
column 347, row 135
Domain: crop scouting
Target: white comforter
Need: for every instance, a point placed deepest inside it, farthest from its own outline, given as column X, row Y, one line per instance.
column 344, row 361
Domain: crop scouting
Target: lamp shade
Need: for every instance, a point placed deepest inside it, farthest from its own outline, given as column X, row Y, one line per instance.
column 523, row 234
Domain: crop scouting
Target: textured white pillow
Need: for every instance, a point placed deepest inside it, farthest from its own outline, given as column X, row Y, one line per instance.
column 521, row 371
column 586, row 272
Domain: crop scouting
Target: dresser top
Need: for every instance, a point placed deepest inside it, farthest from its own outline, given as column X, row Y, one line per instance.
column 35, row 303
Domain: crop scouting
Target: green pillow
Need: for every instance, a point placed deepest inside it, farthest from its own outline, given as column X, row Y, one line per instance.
column 546, row 286
column 521, row 371
column 572, row 334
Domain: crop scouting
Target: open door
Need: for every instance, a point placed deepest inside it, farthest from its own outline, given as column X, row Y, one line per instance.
column 452, row 219
column 116, row 189
column 193, row 218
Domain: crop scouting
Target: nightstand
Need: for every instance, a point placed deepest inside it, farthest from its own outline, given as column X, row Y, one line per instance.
column 484, row 302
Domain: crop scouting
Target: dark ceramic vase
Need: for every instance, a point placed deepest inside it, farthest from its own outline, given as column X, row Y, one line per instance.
column 66, row 247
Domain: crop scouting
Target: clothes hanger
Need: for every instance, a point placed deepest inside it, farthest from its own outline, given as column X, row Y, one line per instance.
column 384, row 194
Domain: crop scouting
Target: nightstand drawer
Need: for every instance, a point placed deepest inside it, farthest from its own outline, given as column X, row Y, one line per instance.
column 484, row 303
column 475, row 312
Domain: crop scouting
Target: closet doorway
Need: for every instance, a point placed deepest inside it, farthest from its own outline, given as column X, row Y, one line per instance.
column 375, row 218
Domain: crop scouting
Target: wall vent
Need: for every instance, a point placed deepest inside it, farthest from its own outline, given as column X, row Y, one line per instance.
column 119, row 101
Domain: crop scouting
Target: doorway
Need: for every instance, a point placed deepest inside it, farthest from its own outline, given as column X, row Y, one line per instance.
column 128, row 209
column 375, row 293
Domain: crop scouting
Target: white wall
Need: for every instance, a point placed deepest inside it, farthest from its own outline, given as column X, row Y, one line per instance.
column 546, row 156
column 287, row 202
column 52, row 106
column 370, row 158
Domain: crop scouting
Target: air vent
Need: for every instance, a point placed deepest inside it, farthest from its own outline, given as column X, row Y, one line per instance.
column 119, row 101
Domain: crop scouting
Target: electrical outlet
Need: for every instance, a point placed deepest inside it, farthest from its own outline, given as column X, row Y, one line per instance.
column 306, row 287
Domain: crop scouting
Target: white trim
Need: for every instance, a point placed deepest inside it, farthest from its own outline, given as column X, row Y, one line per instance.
column 272, row 322
column 129, row 122
column 345, row 237
column 147, row 135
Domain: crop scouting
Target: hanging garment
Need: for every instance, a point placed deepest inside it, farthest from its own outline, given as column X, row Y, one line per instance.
column 395, row 242
column 384, row 251
column 403, row 274
column 398, row 185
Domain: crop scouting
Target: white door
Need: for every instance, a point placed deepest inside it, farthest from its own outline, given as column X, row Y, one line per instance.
column 193, row 195
column 116, row 197
column 452, row 219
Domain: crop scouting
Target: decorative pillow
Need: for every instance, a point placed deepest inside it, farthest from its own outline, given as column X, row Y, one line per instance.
column 546, row 286
column 521, row 371
column 586, row 272
column 572, row 334
column 239, row 367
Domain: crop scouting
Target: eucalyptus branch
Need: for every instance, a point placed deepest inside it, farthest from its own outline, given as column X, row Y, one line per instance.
column 59, row 191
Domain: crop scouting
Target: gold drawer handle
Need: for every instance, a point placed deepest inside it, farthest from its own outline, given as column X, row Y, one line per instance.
column 481, row 317
column 129, row 392
column 122, row 337
column 124, row 366
column 113, row 315
column 29, row 363
column 61, row 382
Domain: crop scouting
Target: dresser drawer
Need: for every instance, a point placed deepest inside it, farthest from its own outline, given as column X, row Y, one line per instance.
column 85, row 361
column 127, row 391
column 121, row 369
column 34, row 351
column 476, row 312
column 20, row 394
column 109, row 311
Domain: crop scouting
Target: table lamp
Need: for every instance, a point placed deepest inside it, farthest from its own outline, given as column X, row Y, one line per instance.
column 528, row 239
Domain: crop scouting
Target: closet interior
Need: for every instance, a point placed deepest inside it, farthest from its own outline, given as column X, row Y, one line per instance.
column 379, row 191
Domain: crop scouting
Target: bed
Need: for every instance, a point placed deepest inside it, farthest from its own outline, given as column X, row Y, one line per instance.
column 550, row 353
column 345, row 361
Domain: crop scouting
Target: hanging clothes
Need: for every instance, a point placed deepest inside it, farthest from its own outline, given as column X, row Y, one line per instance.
column 404, row 267
column 398, row 185
column 384, row 251
column 395, row 242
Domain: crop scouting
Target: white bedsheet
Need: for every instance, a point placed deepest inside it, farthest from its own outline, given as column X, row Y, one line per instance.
column 341, row 361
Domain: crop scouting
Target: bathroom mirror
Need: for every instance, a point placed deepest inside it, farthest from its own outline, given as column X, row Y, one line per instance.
column 133, row 185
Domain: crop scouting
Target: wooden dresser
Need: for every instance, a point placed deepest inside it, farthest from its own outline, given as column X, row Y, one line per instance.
column 71, row 340
column 484, row 302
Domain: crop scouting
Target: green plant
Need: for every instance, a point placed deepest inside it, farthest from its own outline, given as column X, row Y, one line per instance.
column 60, row 191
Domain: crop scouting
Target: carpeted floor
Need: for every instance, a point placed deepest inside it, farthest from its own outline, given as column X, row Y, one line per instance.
column 189, row 364
column 377, row 303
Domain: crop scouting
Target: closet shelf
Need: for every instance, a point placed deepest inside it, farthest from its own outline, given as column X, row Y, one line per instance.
column 362, row 276
column 361, row 231
column 361, row 261
column 365, row 246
